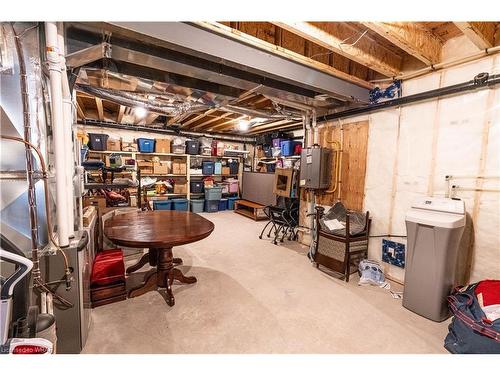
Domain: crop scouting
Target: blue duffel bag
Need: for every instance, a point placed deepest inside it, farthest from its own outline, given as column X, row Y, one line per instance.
column 470, row 332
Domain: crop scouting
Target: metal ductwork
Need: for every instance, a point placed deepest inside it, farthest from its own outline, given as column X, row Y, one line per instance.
column 190, row 55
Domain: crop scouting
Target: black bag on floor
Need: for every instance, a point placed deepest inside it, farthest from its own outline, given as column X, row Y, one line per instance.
column 469, row 331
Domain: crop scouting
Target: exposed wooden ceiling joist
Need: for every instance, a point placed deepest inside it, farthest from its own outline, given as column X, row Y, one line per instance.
column 278, row 50
column 340, row 38
column 205, row 123
column 119, row 117
column 79, row 109
column 218, row 126
column 100, row 110
column 196, row 118
column 482, row 34
column 411, row 38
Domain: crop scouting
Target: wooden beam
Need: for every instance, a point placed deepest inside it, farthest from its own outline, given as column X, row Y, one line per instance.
column 268, row 125
column 270, row 128
column 343, row 40
column 204, row 124
column 100, row 109
column 80, row 107
column 283, row 52
column 482, row 34
column 411, row 38
column 199, row 117
column 121, row 111
column 215, row 127
column 151, row 117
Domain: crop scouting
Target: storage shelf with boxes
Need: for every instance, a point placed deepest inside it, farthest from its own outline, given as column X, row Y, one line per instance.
column 175, row 165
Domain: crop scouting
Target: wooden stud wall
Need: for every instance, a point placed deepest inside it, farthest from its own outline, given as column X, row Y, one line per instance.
column 355, row 146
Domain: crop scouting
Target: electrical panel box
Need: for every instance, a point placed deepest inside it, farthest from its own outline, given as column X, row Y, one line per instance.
column 315, row 168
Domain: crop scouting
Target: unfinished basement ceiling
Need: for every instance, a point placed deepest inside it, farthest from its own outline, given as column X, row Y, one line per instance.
column 211, row 76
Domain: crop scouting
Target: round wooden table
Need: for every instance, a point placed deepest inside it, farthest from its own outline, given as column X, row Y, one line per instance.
column 158, row 231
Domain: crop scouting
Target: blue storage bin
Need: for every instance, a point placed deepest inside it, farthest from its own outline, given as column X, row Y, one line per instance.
column 230, row 202
column 211, row 206
column 162, row 205
column 180, row 204
column 208, row 167
column 213, row 193
column 197, row 205
column 218, row 167
column 287, row 148
column 146, row 144
column 223, row 204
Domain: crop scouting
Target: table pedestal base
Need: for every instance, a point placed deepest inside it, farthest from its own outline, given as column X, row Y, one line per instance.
column 162, row 277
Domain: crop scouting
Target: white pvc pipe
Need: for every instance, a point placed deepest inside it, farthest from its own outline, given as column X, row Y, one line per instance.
column 67, row 132
column 56, row 101
column 315, row 128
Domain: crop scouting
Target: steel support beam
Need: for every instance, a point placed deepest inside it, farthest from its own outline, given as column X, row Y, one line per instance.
column 196, row 41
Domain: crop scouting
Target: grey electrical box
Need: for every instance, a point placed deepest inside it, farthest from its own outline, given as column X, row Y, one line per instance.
column 315, row 168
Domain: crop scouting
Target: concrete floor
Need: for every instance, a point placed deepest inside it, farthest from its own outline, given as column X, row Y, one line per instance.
column 255, row 297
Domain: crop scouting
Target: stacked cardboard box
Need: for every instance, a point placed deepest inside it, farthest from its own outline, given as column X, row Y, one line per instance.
column 145, row 166
column 179, row 166
column 162, row 145
column 161, row 167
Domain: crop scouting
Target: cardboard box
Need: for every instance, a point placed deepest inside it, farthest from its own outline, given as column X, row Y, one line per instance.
column 226, row 171
column 147, row 170
column 180, row 187
column 98, row 201
column 162, row 145
column 114, row 144
column 129, row 146
column 160, row 168
column 145, row 164
column 179, row 166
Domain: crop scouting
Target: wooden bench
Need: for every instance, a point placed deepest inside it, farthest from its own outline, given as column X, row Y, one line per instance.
column 250, row 209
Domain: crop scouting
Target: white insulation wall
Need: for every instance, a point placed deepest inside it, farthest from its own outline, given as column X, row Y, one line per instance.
column 411, row 149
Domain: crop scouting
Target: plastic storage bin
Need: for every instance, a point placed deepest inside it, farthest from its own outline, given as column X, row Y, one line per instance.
column 277, row 141
column 196, row 186
column 98, row 142
column 287, row 148
column 208, row 167
column 162, row 205
column 233, row 167
column 197, row 205
column 146, row 144
column 217, row 167
column 192, row 147
column 180, row 204
column 213, row 193
column 268, row 151
column 233, row 186
column 223, row 204
column 230, row 202
column 211, row 205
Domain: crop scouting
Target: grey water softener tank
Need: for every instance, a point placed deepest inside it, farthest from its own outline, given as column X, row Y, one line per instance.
column 434, row 227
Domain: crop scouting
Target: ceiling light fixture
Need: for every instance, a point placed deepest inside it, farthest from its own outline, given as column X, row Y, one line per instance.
column 140, row 112
column 243, row 125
